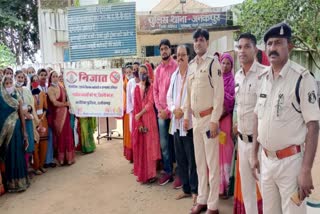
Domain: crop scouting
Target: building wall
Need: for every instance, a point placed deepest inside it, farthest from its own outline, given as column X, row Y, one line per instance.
column 52, row 32
column 220, row 41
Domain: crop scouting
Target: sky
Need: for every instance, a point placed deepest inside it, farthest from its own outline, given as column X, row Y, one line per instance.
column 147, row 5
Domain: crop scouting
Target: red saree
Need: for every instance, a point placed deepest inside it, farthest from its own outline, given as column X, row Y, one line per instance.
column 238, row 205
column 146, row 146
column 59, row 120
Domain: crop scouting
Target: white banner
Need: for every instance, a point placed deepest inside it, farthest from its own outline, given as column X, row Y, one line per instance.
column 95, row 93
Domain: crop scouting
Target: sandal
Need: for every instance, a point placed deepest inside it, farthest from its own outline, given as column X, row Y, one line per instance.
column 194, row 198
column 183, row 195
column 152, row 180
column 37, row 172
column 43, row 170
column 70, row 163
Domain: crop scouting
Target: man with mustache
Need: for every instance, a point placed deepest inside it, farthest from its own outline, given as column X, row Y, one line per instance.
column 205, row 96
column 183, row 139
column 286, row 126
column 246, row 80
column 160, row 88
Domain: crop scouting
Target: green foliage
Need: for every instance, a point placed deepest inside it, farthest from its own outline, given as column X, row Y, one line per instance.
column 76, row 3
column 6, row 56
column 19, row 28
column 53, row 4
column 257, row 16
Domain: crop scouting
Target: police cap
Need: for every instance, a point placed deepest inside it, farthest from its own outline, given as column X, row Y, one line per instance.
column 281, row 30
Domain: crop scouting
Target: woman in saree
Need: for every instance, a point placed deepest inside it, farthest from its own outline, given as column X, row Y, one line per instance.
column 13, row 137
column 87, row 129
column 28, row 109
column 226, row 148
column 40, row 103
column 59, row 120
column 127, row 146
column 145, row 132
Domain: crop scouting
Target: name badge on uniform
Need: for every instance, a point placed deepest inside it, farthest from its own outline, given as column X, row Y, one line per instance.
column 40, row 111
column 203, row 71
column 263, row 96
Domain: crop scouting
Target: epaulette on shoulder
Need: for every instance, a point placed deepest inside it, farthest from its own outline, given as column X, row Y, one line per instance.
column 261, row 67
column 263, row 73
column 192, row 61
column 299, row 69
column 211, row 57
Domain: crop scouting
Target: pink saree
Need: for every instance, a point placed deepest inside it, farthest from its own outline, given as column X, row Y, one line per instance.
column 146, row 146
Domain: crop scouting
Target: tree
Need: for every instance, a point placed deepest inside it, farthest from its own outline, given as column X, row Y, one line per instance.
column 19, row 28
column 257, row 16
column 6, row 56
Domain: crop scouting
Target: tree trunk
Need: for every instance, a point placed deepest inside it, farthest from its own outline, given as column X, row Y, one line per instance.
column 21, row 50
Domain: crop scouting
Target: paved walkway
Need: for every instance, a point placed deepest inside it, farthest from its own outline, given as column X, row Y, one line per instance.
column 98, row 183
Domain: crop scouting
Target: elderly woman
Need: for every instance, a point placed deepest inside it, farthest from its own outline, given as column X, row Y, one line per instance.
column 28, row 110
column 14, row 137
column 226, row 148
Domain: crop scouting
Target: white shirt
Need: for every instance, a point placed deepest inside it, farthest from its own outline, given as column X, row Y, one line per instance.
column 279, row 124
column 246, row 88
column 175, row 101
column 130, row 92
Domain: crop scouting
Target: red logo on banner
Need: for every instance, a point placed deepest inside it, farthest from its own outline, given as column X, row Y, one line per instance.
column 72, row 77
column 115, row 77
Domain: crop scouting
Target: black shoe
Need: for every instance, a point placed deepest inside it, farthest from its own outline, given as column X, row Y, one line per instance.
column 52, row 165
column 46, row 166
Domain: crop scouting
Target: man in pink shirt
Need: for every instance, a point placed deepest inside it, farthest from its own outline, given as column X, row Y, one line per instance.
column 160, row 88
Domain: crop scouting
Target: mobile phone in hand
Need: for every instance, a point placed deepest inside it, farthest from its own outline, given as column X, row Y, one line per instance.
column 208, row 134
column 296, row 199
column 26, row 145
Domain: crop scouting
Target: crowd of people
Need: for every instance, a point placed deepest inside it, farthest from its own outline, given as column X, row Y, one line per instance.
column 204, row 123
column 159, row 125
column 38, row 129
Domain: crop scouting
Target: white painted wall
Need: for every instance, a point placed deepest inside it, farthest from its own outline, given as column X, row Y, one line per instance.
column 88, row 2
column 52, row 28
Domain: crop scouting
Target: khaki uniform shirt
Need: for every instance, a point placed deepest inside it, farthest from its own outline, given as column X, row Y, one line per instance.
column 279, row 124
column 200, row 95
column 246, row 88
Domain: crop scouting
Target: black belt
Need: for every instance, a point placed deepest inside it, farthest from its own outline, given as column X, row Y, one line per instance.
column 246, row 138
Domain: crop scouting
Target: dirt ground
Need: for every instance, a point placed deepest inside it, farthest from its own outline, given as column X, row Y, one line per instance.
column 98, row 183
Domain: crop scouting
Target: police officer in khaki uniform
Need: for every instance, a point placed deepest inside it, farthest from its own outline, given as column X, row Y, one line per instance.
column 247, row 86
column 205, row 94
column 287, row 115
